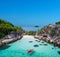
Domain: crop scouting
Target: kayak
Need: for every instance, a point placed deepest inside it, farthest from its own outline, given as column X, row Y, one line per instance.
column 31, row 50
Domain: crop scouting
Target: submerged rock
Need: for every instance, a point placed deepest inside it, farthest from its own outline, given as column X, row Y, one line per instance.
column 52, row 48
column 36, row 45
column 36, row 40
column 30, row 41
column 58, row 52
column 40, row 44
column 45, row 44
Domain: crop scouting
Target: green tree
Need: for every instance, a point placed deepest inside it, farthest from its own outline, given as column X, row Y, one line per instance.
column 31, row 32
column 7, row 27
column 57, row 23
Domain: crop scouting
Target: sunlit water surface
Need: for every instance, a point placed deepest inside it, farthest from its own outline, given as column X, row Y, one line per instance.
column 21, row 47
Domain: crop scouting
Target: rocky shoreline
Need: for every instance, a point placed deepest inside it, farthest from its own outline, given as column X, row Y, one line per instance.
column 7, row 41
column 46, row 39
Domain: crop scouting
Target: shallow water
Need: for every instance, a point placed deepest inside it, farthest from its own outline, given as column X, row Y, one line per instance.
column 20, row 48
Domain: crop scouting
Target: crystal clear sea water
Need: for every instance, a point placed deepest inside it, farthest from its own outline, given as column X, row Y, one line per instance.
column 20, row 48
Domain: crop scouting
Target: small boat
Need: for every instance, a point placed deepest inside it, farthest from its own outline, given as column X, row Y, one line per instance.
column 31, row 50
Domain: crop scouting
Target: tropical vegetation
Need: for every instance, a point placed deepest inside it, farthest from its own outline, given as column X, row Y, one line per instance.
column 30, row 32
column 6, row 27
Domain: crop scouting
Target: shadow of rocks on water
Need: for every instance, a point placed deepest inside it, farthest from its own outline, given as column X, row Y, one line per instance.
column 4, row 47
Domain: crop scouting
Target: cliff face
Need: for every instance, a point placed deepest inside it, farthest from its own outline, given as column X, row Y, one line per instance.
column 52, row 32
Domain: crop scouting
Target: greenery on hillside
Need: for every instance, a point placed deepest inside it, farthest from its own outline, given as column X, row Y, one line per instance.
column 7, row 27
column 41, row 31
column 57, row 23
column 30, row 32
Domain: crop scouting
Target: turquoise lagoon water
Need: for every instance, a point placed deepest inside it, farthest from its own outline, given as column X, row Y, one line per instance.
column 20, row 48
